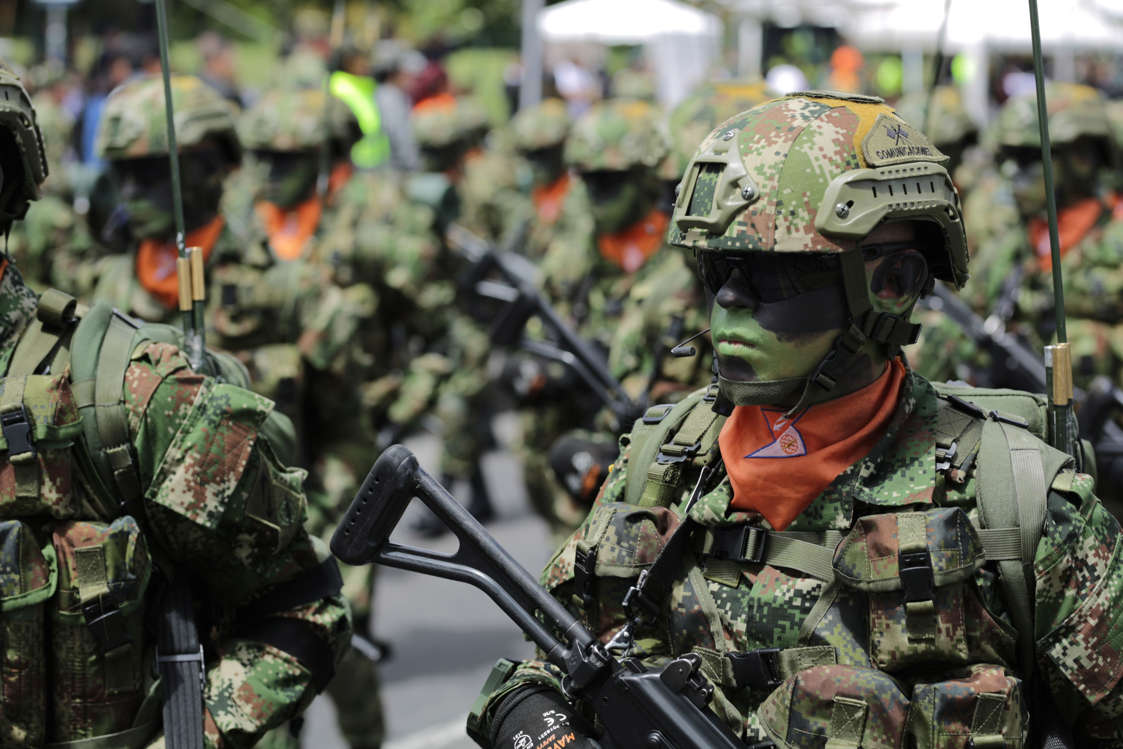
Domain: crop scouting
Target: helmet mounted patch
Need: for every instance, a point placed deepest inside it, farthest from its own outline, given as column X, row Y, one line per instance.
column 894, row 141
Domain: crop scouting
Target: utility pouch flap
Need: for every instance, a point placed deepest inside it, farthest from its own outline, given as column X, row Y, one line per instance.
column 985, row 708
column 836, row 706
column 52, row 414
column 28, row 572
column 910, row 551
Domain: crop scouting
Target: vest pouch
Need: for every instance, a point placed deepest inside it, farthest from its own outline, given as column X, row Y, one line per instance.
column 915, row 570
column 984, row 709
column 39, row 422
column 836, row 707
column 28, row 576
column 98, row 667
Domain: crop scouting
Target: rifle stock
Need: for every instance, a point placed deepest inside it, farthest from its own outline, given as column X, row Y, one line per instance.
column 636, row 706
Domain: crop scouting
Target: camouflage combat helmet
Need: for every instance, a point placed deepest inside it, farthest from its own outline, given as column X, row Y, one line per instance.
column 544, row 125
column 947, row 122
column 1075, row 111
column 801, row 174
column 17, row 117
column 293, row 120
column 617, row 135
column 700, row 112
column 134, row 122
column 447, row 121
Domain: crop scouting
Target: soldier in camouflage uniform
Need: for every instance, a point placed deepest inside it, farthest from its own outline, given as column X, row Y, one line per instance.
column 832, row 579
column 196, row 490
column 284, row 132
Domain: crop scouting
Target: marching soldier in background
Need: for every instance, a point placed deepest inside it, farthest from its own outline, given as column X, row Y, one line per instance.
column 132, row 481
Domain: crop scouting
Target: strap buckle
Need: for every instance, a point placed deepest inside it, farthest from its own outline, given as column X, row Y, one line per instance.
column 102, row 616
column 672, row 453
column 917, row 578
column 16, row 428
column 759, row 669
column 195, row 657
column 584, row 566
column 637, row 605
column 747, row 543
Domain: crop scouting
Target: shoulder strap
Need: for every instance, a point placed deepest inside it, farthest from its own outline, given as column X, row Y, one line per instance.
column 1014, row 474
column 665, row 439
column 47, row 338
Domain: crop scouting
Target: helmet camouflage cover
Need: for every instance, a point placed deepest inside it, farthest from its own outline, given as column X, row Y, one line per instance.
column 17, row 117
column 617, row 135
column 544, row 125
column 446, row 121
column 702, row 110
column 291, row 119
column 135, row 125
column 1075, row 111
column 947, row 121
column 798, row 173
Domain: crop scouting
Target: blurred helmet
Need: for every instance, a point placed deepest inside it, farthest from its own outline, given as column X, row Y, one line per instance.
column 544, row 125
column 701, row 111
column 798, row 173
column 17, row 117
column 445, row 121
column 134, row 123
column 947, row 122
column 302, row 68
column 293, row 120
column 1075, row 111
column 618, row 135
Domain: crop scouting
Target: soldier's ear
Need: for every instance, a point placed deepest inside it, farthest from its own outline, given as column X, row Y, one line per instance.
column 897, row 281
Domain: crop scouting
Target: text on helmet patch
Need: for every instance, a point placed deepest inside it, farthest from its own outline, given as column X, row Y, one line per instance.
column 894, row 141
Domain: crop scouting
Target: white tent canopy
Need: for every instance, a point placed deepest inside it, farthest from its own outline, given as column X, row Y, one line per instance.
column 682, row 42
column 995, row 24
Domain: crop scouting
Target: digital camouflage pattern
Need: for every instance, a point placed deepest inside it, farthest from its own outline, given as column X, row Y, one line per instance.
column 718, row 607
column 544, row 125
column 694, row 117
column 941, row 114
column 135, row 124
column 217, row 502
column 292, row 119
column 444, row 122
column 1074, row 111
column 617, row 135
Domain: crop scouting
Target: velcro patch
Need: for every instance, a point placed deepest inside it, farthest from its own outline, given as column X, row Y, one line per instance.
column 894, row 141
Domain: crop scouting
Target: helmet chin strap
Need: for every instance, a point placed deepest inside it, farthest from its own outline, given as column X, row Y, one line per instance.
column 821, row 385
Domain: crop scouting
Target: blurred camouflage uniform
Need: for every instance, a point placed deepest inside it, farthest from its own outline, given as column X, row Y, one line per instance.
column 199, row 493
column 285, row 133
column 841, row 642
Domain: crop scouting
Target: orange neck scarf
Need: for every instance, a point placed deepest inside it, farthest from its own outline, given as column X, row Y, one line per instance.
column 778, row 467
column 630, row 248
column 289, row 229
column 548, row 199
column 1073, row 224
column 155, row 261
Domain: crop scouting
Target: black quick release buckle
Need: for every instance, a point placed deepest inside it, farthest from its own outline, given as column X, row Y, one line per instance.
column 746, row 543
column 679, row 454
column 758, row 669
column 103, row 618
column 917, row 578
column 16, row 428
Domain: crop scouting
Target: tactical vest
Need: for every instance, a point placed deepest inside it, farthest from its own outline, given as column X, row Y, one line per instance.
column 78, row 656
column 900, row 644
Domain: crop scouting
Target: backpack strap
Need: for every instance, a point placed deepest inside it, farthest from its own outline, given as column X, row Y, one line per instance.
column 1014, row 475
column 664, row 441
column 47, row 339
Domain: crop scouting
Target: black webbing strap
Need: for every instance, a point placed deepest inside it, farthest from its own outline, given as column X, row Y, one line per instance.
column 299, row 639
column 310, row 585
column 179, row 659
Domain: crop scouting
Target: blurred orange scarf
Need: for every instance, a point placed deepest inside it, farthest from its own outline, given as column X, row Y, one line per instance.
column 630, row 248
column 548, row 199
column 155, row 261
column 778, row 467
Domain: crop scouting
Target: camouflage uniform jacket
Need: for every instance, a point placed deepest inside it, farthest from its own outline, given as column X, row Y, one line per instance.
column 846, row 635
column 217, row 503
column 54, row 247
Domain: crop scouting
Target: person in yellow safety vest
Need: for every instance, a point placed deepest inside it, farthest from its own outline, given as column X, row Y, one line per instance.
column 356, row 90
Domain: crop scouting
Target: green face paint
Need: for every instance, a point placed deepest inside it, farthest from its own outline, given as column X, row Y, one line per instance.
column 748, row 352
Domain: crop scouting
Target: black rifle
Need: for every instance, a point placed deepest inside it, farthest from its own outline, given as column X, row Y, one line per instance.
column 518, row 293
column 637, row 707
column 1017, row 365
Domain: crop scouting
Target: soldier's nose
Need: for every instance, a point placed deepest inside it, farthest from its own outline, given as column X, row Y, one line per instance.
column 737, row 292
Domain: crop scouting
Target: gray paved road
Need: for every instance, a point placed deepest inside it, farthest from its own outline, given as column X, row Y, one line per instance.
column 445, row 635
